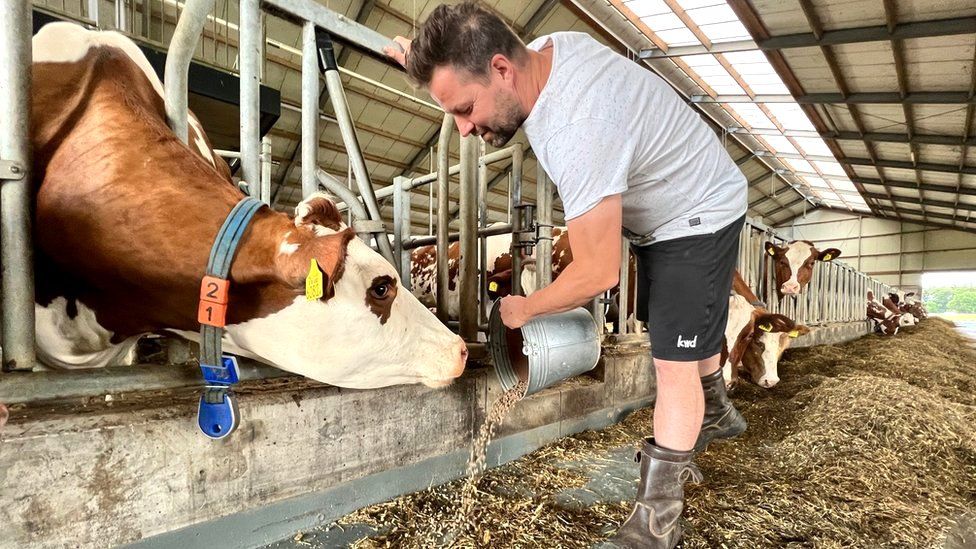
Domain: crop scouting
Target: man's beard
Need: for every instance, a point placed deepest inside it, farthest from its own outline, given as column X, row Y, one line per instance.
column 509, row 120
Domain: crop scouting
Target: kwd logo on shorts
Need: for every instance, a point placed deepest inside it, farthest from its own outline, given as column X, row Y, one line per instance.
column 687, row 343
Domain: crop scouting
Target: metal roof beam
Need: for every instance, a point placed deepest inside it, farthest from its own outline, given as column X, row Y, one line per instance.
column 681, row 51
column 914, row 186
column 901, row 31
column 918, row 139
column 933, row 215
column 864, row 98
column 900, row 164
column 924, row 202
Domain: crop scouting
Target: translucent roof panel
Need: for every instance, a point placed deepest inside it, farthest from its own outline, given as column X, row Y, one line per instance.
column 678, row 37
column 644, row 8
column 816, row 182
column 758, row 74
column 830, row 168
column 791, row 116
column 813, row 145
column 711, row 15
column 842, row 185
column 782, row 145
column 836, row 204
column 664, row 22
column 725, row 32
column 751, row 114
column 714, row 74
column 798, row 165
column 692, row 4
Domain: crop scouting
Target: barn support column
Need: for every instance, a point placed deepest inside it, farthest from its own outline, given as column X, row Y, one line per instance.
column 310, row 110
column 543, row 246
column 181, row 48
column 468, row 294
column 15, row 187
column 443, row 212
column 250, row 64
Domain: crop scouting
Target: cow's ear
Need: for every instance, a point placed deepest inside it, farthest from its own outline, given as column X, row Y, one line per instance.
column 771, row 322
column 318, row 210
column 773, row 249
column 316, row 265
column 798, row 330
column 829, row 254
column 500, row 284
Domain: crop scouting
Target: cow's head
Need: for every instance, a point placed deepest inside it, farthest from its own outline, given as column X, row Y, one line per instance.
column 906, row 320
column 774, row 333
column 499, row 284
column 364, row 330
column 793, row 264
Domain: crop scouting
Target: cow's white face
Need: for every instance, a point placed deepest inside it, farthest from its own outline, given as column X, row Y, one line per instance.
column 773, row 336
column 369, row 333
column 793, row 264
column 907, row 319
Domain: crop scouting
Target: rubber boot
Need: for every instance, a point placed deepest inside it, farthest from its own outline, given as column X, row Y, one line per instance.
column 653, row 524
column 721, row 420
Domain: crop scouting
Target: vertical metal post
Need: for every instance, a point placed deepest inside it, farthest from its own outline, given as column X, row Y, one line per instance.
column 266, row 170
column 310, row 110
column 250, row 69
column 482, row 240
column 517, row 219
column 443, row 212
column 121, row 16
column 468, row 294
column 623, row 289
column 16, row 251
column 543, row 246
column 181, row 48
column 337, row 96
column 599, row 315
column 93, row 12
column 401, row 227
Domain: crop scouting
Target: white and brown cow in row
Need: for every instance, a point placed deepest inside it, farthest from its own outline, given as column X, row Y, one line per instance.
column 909, row 303
column 793, row 264
column 886, row 321
column 498, row 276
column 755, row 339
column 125, row 218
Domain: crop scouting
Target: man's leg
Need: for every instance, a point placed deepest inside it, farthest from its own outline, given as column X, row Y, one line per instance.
column 680, row 404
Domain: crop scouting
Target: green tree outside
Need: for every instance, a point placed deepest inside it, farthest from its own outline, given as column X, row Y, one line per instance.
column 950, row 300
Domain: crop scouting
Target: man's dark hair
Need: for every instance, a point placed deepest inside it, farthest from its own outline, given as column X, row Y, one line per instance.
column 464, row 36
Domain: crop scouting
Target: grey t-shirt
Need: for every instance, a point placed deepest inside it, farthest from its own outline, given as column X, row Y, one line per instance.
column 603, row 125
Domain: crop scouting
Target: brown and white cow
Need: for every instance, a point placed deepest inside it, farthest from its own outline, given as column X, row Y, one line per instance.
column 125, row 218
column 793, row 264
column 498, row 277
column 885, row 321
column 755, row 339
column 905, row 319
column 909, row 303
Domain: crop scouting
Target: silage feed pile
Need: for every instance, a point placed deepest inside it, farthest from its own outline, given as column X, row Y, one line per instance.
column 867, row 444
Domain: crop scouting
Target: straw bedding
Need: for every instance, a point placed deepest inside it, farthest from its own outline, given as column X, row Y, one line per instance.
column 866, row 444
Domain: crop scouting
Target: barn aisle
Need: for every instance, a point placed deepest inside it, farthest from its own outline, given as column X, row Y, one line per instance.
column 866, row 444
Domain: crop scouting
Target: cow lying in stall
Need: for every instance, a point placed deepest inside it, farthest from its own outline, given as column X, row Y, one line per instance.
column 125, row 218
column 885, row 321
column 908, row 303
column 755, row 339
column 906, row 319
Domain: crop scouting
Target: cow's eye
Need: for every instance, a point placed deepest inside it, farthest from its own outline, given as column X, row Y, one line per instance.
column 380, row 291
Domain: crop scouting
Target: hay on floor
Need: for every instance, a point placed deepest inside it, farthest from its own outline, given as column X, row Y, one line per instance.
column 866, row 444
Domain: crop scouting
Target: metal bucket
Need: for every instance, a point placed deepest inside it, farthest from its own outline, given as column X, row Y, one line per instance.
column 545, row 351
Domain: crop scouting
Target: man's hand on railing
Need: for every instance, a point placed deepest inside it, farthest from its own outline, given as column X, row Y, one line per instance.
column 401, row 55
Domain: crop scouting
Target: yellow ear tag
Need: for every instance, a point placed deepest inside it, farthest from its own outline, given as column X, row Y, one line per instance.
column 492, row 286
column 771, row 251
column 766, row 327
column 794, row 333
column 827, row 257
column 313, row 283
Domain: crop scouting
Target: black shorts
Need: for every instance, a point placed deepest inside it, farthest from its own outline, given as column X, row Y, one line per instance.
column 683, row 290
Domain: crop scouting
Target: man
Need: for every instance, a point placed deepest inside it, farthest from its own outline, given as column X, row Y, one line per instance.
column 626, row 154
